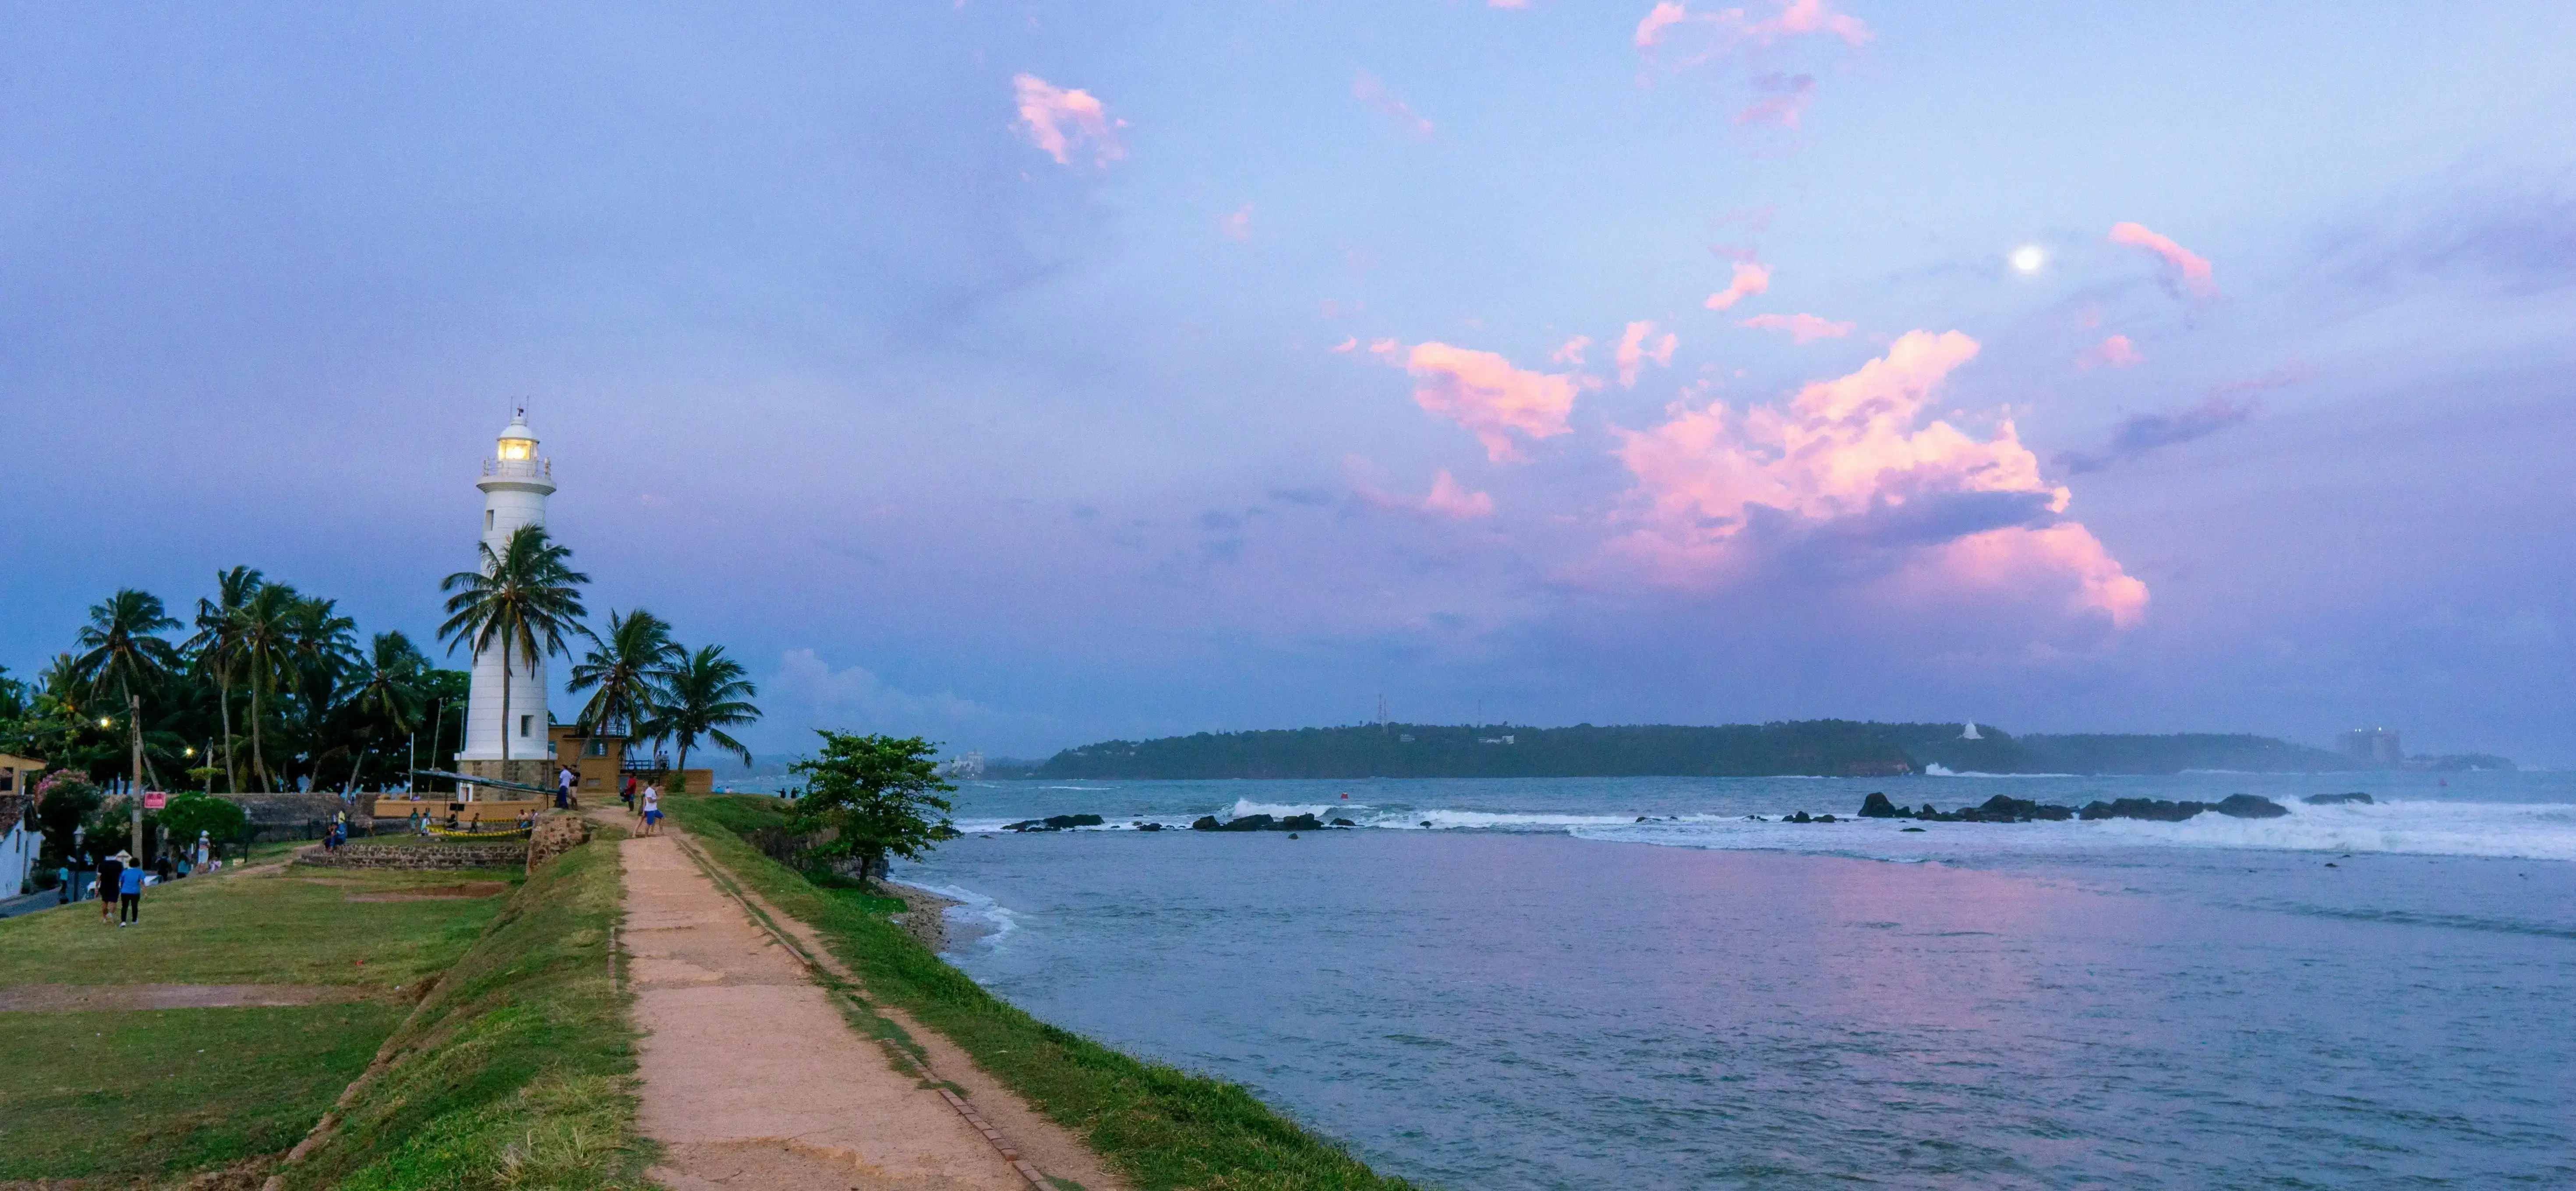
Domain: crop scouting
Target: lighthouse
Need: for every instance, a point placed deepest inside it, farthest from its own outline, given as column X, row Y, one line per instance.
column 515, row 484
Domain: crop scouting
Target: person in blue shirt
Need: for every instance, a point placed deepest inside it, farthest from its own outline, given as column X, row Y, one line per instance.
column 129, row 895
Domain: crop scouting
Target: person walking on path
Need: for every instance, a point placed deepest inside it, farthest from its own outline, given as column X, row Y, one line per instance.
column 653, row 810
column 627, row 794
column 563, row 787
column 110, row 873
column 129, row 895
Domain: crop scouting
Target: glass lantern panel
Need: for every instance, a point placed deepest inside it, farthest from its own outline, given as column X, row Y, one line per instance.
column 518, row 448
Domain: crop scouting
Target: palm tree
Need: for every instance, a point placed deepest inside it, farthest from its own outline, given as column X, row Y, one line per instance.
column 636, row 657
column 217, row 647
column 704, row 695
column 125, row 648
column 524, row 599
column 387, row 695
column 265, row 641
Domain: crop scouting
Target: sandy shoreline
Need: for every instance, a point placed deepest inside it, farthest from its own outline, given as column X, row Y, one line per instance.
column 927, row 917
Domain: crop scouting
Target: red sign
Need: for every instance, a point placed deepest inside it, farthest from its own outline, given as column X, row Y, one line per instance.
column 154, row 800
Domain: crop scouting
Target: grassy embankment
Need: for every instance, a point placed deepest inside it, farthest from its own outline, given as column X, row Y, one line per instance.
column 515, row 1071
column 149, row 1093
column 1160, row 1126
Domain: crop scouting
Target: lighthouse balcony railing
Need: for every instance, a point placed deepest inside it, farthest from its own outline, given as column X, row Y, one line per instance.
column 519, row 469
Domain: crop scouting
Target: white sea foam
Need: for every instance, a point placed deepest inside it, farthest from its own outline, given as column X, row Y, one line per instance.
column 1492, row 820
column 1937, row 769
column 976, row 920
column 2529, row 831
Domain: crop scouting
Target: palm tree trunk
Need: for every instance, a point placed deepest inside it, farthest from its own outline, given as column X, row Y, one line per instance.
column 680, row 773
column 224, row 703
column 258, row 759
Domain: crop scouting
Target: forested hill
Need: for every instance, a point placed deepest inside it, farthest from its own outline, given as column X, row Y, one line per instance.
column 1823, row 748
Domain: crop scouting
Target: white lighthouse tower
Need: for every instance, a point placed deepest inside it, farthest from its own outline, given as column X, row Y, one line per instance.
column 515, row 486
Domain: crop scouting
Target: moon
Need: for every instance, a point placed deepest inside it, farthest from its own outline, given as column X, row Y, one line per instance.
column 2028, row 258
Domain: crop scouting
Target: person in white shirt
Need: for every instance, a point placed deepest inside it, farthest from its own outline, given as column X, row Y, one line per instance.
column 653, row 809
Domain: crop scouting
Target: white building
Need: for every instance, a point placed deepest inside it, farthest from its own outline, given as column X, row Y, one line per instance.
column 515, row 484
column 20, row 842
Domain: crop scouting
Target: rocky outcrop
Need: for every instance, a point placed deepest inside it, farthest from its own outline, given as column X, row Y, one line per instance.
column 1054, row 823
column 2337, row 799
column 555, row 835
column 2247, row 806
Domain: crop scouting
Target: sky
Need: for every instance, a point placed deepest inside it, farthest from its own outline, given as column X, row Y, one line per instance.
column 1028, row 374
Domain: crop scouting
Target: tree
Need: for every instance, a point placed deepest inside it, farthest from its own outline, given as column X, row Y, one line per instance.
column 872, row 796
column 386, row 696
column 190, row 814
column 707, row 693
column 634, row 661
column 525, row 599
column 217, row 649
column 125, row 649
column 268, row 648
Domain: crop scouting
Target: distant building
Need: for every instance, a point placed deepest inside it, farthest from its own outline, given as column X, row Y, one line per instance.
column 1971, row 733
column 20, row 842
column 2376, row 745
column 969, row 765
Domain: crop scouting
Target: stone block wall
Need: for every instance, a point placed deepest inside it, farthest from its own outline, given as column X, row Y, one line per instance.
column 416, row 856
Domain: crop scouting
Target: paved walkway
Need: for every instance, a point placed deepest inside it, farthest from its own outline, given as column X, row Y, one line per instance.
column 754, row 1079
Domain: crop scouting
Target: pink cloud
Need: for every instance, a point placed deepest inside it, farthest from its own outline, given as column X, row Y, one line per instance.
column 1728, row 30
column 1635, row 349
column 1572, row 352
column 2187, row 267
column 1799, row 327
column 1366, row 88
column 1058, row 121
column 2114, row 352
column 1486, row 394
column 1784, row 100
column 1238, row 225
column 1663, row 16
column 1851, row 467
column 1449, row 499
column 1750, row 279
column 1347, row 345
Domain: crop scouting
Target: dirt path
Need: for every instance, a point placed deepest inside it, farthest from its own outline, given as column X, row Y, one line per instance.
column 752, row 1076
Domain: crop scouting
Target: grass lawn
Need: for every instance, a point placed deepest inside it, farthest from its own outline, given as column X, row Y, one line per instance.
column 1162, row 1127
column 154, row 1092
column 517, row 1072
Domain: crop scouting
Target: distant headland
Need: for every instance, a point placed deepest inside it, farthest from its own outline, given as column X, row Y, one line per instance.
column 1803, row 748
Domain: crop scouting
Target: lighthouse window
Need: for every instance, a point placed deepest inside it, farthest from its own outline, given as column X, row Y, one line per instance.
column 487, row 518
column 524, row 722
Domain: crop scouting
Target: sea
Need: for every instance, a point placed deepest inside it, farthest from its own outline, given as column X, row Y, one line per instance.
column 1657, row 983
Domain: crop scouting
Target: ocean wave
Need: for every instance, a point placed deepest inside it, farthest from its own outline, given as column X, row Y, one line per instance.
column 1491, row 820
column 2521, row 831
column 976, row 920
column 1937, row 769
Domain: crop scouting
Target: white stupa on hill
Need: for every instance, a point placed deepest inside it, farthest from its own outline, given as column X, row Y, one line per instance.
column 1971, row 733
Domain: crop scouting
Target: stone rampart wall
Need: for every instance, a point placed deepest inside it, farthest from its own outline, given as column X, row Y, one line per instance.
column 416, row 856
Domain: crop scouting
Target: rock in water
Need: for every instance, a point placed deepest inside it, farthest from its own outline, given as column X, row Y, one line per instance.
column 1206, row 823
column 2335, row 799
column 1149, row 827
column 1876, row 806
column 2152, row 809
column 2248, row 806
column 1054, row 823
column 1344, row 823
